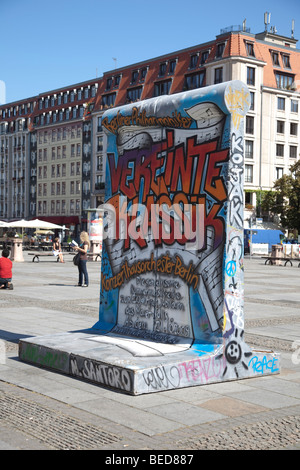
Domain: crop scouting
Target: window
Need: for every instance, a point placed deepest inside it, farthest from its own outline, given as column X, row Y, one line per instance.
column 275, row 58
column 99, row 144
column 100, row 163
column 204, row 57
column 250, row 49
column 162, row 88
column 108, row 84
column 218, row 75
column 172, row 66
column 279, row 150
column 252, row 96
column 220, row 49
column 249, row 125
column 278, row 172
column 134, row 94
column 73, row 150
column 280, row 103
column 193, row 61
column 248, row 198
column 109, row 100
column 284, row 81
column 134, row 76
column 117, row 80
column 194, row 80
column 248, row 173
column 162, row 69
column 294, row 106
column 280, row 127
column 250, row 76
column 294, row 128
column 286, row 61
column 249, row 149
column 78, row 150
column 293, row 151
column 143, row 73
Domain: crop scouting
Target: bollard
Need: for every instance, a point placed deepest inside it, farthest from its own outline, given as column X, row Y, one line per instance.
column 17, row 250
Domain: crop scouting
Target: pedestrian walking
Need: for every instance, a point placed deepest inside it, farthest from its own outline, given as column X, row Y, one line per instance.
column 5, row 270
column 83, row 249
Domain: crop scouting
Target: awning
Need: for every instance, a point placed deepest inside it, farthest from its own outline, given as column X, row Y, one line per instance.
column 63, row 220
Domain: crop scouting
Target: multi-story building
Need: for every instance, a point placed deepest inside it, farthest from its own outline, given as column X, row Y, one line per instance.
column 61, row 150
column 267, row 62
column 14, row 158
column 65, row 172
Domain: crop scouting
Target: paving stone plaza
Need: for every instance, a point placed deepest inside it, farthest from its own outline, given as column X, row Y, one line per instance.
column 41, row 409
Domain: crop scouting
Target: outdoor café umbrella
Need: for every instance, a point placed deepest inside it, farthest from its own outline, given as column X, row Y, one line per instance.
column 36, row 223
column 4, row 224
column 44, row 231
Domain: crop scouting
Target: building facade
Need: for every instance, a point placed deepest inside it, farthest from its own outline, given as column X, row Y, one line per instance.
column 51, row 146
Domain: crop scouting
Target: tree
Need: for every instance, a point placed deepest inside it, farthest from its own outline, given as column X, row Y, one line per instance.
column 284, row 199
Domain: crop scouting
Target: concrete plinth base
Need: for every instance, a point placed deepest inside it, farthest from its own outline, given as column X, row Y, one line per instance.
column 137, row 366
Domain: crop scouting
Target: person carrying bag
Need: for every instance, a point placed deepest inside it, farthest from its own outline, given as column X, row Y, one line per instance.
column 82, row 251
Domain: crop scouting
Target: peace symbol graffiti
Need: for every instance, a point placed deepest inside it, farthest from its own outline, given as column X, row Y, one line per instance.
column 231, row 268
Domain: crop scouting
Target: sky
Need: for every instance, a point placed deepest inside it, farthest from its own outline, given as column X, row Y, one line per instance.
column 49, row 44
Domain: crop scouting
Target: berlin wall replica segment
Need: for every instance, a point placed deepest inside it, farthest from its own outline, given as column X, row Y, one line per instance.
column 171, row 311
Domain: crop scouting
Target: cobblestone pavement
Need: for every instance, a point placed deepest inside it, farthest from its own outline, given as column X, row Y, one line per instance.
column 43, row 410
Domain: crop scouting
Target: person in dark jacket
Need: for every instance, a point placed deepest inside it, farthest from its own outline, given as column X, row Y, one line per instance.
column 5, row 270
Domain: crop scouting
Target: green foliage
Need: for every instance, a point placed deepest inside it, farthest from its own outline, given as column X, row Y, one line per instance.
column 284, row 199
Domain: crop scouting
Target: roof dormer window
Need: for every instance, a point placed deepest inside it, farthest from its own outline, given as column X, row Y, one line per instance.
column 220, row 50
